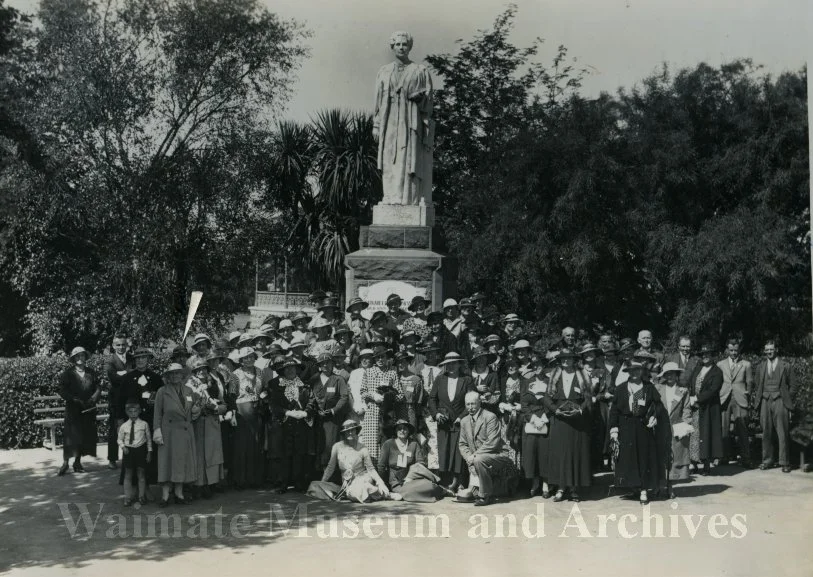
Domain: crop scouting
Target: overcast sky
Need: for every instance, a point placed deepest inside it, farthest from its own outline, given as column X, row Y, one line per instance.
column 619, row 41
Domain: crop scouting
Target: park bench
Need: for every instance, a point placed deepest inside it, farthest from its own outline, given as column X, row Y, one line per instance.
column 53, row 416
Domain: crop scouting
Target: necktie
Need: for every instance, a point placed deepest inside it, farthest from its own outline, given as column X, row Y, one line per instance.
column 431, row 377
column 770, row 368
column 132, row 431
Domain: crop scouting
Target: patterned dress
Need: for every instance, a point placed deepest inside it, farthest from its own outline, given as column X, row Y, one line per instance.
column 375, row 381
column 510, row 421
column 359, row 476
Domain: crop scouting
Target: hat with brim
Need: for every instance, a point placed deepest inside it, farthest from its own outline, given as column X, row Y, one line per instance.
column 285, row 324
column 552, row 357
column 350, row 425
column 324, row 358
column 178, row 351
column 291, row 362
column 357, row 304
column 300, row 316
column 404, row 423
column 451, row 358
column 342, row 330
column 481, row 352
column 271, row 319
column 642, row 354
column 434, row 317
column 633, row 365
column 510, row 318
column 217, row 354
column 378, row 316
column 234, row 357
column 320, row 323
column 409, row 336
column 403, row 356
column 198, row 363
column 245, row 340
column 200, row 338
column 317, row 295
column 707, row 349
column 382, row 352
column 246, row 352
column 78, row 351
column 466, row 303
column 589, row 348
column 417, row 301
column 492, row 339
column 670, row 367
column 521, row 344
column 394, row 298
column 328, row 303
column 428, row 347
column 297, row 342
column 449, row 303
column 366, row 353
column 143, row 352
column 626, row 344
column 234, row 336
column 566, row 353
column 173, row 368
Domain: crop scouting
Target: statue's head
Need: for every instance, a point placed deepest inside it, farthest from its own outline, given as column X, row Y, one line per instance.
column 401, row 37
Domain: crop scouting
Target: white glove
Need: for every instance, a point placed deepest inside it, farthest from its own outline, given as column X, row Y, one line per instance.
column 614, row 433
column 652, row 422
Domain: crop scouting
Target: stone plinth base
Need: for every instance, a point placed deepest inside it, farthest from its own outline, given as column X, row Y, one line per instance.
column 375, row 273
column 392, row 236
column 400, row 215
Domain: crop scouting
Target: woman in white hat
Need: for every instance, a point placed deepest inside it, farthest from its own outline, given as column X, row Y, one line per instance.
column 675, row 400
column 176, row 407
column 447, row 404
column 451, row 317
column 248, row 462
column 361, row 482
column 324, row 343
column 79, row 386
column 208, row 439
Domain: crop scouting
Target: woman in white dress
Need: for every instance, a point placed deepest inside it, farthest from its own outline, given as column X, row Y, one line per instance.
column 360, row 480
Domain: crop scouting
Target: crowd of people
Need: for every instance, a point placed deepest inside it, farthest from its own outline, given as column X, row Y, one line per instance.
column 416, row 405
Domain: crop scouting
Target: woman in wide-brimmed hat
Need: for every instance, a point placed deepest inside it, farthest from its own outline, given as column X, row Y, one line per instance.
column 417, row 320
column 440, row 335
column 486, row 381
column 293, row 412
column 569, row 401
column 403, row 462
column 301, row 330
column 380, row 390
column 361, row 482
column 676, row 404
column 176, row 407
column 248, row 434
column 633, row 418
column 208, row 439
column 357, row 323
column 451, row 317
column 447, row 404
column 324, row 342
column 412, row 386
column 79, row 386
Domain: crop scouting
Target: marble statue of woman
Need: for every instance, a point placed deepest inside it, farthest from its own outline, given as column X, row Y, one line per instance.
column 402, row 123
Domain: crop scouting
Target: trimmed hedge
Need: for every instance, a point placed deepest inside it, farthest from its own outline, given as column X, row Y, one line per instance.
column 22, row 379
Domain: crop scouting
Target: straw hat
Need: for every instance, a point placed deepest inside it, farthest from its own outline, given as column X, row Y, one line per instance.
column 670, row 367
column 366, row 353
column 481, row 352
column 300, row 316
column 358, row 303
column 520, row 344
column 234, row 357
column 451, row 358
column 321, row 322
column 200, row 338
column 77, row 351
column 173, row 368
column 285, row 324
column 245, row 352
column 409, row 335
column 449, row 303
column 350, row 425
column 233, row 336
column 511, row 318
column 589, row 347
column 492, row 339
column 297, row 342
column 197, row 363
column 341, row 330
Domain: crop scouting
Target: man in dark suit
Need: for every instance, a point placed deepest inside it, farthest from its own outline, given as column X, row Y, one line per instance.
column 684, row 359
column 738, row 385
column 116, row 366
column 481, row 446
column 775, row 385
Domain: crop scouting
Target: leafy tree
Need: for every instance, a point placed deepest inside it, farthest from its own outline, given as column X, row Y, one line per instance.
column 149, row 116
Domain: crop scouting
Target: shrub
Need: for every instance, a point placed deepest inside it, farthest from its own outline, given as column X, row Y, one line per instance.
column 24, row 378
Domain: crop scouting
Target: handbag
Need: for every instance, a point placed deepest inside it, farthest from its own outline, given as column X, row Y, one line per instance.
column 531, row 430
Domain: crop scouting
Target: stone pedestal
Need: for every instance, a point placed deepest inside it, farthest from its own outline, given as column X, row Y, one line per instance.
column 401, row 215
column 399, row 258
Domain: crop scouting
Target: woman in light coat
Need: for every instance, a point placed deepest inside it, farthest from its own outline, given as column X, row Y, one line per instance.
column 176, row 406
column 675, row 400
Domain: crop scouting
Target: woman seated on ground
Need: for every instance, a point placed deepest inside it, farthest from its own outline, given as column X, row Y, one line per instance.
column 403, row 460
column 360, row 481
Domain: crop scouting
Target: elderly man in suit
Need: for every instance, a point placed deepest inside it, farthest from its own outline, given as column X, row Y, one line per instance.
column 481, row 446
column 738, row 385
column 116, row 366
column 774, row 389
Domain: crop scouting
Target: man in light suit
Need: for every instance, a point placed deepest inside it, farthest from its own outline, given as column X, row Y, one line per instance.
column 481, row 446
column 775, row 385
column 738, row 387
column 684, row 359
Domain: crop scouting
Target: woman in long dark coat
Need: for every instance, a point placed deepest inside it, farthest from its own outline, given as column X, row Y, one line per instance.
column 535, row 434
column 294, row 407
column 247, row 452
column 632, row 421
column 79, row 386
column 569, row 400
column 449, row 410
column 706, row 382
